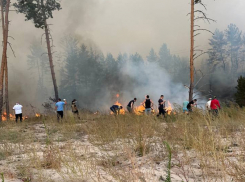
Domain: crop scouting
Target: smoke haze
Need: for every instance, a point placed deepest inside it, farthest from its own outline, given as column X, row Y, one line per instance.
column 116, row 26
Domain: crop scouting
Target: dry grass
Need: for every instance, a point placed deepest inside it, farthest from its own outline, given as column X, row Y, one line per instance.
column 126, row 148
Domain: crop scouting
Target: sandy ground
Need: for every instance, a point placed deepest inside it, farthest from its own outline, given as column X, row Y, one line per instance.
column 83, row 161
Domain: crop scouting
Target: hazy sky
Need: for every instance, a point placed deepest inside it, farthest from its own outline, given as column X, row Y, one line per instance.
column 130, row 25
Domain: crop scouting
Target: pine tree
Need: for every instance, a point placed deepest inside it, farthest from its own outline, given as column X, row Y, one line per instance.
column 136, row 59
column 37, row 62
column 40, row 11
column 218, row 50
column 234, row 40
column 240, row 94
column 152, row 56
column 165, row 57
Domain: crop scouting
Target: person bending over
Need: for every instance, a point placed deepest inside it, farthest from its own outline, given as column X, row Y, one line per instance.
column 116, row 109
column 191, row 105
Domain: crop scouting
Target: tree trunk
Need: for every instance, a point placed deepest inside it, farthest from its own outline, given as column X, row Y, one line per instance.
column 51, row 61
column 5, row 69
column 192, row 53
column 4, row 55
column 6, row 88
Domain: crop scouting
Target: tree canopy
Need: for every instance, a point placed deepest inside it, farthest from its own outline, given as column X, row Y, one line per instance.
column 37, row 10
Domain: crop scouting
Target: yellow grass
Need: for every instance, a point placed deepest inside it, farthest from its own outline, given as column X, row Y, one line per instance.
column 126, row 147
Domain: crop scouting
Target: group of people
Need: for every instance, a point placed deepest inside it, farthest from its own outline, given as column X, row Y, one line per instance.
column 59, row 107
column 212, row 106
column 147, row 103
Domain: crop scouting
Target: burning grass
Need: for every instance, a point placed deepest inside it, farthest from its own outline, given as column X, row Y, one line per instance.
column 126, row 147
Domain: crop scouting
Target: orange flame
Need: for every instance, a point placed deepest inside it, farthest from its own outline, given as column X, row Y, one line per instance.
column 122, row 111
column 37, row 115
column 139, row 110
column 11, row 117
column 4, row 116
column 169, row 109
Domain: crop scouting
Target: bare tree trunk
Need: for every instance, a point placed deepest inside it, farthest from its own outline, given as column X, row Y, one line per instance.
column 5, row 69
column 192, row 53
column 6, row 88
column 4, row 54
column 51, row 61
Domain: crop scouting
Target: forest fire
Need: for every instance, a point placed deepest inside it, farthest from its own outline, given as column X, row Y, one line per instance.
column 141, row 110
column 4, row 117
column 122, row 111
column 169, row 109
column 11, row 117
column 38, row 115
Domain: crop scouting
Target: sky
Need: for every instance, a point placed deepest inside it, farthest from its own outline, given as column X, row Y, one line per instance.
column 118, row 26
column 130, row 25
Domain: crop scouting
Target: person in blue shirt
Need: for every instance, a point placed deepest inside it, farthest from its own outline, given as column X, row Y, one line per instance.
column 59, row 107
column 185, row 103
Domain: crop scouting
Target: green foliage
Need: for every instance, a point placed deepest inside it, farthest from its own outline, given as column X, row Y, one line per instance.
column 36, row 10
column 225, row 63
column 240, row 94
column 2, row 177
column 168, row 178
column 176, row 67
column 152, row 56
column 39, row 67
column 88, row 74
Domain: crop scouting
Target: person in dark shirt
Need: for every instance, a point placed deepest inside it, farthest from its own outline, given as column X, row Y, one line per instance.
column 74, row 108
column 161, row 106
column 191, row 105
column 148, row 105
column 130, row 106
column 116, row 109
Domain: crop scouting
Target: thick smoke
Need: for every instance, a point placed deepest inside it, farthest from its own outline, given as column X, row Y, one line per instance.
column 154, row 81
column 114, row 26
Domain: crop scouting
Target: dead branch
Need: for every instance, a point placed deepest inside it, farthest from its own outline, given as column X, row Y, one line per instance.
column 199, row 80
column 200, row 55
column 52, row 99
column 202, row 5
column 186, row 86
column 204, row 18
column 44, row 53
column 11, row 48
column 198, row 50
column 11, row 37
column 203, row 29
column 197, row 34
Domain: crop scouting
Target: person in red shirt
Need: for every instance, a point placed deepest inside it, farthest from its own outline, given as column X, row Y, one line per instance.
column 215, row 105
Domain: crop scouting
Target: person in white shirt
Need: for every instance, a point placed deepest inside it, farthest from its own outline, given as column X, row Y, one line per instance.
column 208, row 104
column 18, row 112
